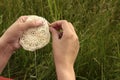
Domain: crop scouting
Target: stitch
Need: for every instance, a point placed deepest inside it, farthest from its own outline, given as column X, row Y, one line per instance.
column 36, row 38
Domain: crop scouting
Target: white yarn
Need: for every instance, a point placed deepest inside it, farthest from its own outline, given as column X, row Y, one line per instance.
column 36, row 38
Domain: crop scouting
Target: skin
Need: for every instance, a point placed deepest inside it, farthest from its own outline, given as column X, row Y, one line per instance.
column 65, row 48
column 9, row 42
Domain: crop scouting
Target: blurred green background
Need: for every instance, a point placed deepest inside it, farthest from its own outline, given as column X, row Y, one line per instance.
column 97, row 23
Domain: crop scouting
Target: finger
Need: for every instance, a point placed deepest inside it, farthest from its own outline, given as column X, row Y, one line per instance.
column 54, row 33
column 62, row 23
column 22, row 19
column 71, row 26
column 30, row 24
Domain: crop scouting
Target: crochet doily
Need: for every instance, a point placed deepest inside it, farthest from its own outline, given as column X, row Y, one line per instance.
column 36, row 38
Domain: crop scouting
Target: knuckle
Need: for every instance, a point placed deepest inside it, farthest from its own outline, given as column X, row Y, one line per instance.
column 72, row 36
column 21, row 17
column 76, row 41
column 78, row 45
column 70, row 23
column 64, row 21
column 76, row 38
column 69, row 36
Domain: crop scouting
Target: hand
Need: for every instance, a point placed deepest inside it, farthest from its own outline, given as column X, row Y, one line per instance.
column 10, row 39
column 15, row 31
column 65, row 49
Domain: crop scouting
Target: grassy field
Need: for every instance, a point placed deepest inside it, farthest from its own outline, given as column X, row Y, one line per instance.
column 97, row 23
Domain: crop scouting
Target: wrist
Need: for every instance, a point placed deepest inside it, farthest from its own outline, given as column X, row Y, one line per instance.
column 65, row 72
column 5, row 54
column 5, row 47
column 63, row 63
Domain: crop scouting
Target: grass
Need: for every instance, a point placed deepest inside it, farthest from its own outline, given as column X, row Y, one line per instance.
column 97, row 23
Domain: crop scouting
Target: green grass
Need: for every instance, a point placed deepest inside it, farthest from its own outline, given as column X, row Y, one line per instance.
column 97, row 23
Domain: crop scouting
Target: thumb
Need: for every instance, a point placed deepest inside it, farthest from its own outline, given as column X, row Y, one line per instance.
column 31, row 24
column 54, row 33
